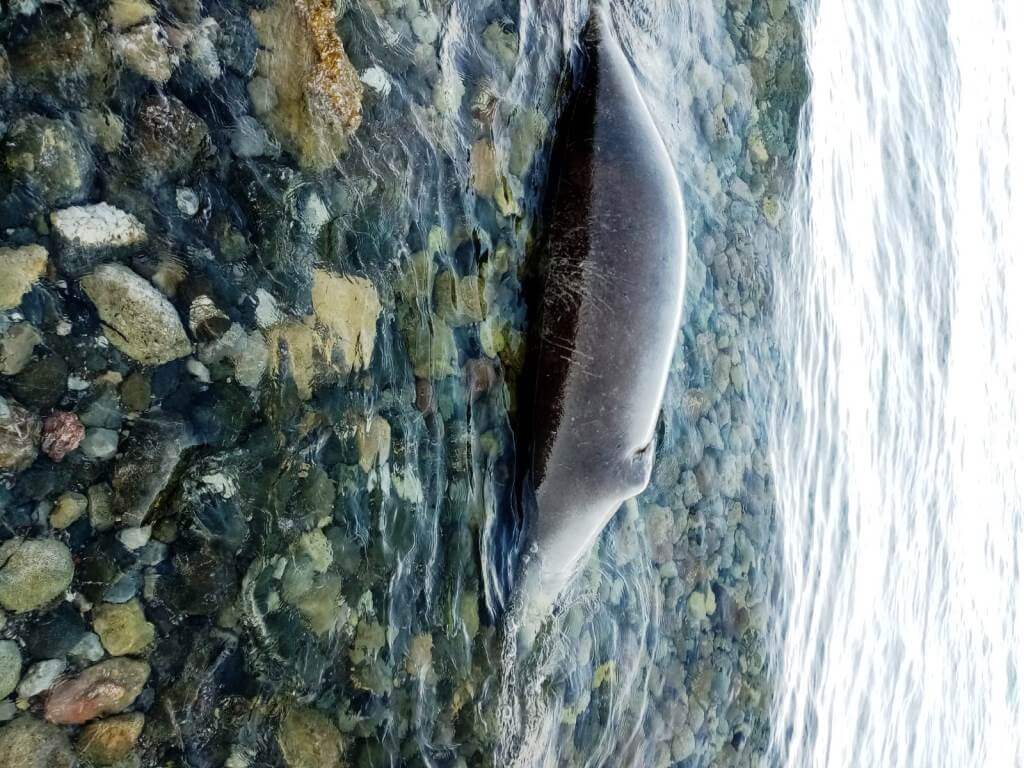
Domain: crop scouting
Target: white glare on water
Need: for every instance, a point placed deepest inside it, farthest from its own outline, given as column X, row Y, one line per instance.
column 898, row 434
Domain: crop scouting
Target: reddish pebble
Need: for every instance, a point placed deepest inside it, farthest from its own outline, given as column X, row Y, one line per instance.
column 106, row 688
column 62, row 432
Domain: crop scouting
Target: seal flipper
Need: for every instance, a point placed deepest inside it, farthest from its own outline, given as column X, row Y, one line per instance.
column 637, row 473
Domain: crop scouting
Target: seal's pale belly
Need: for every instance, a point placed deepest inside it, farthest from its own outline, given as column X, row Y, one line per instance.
column 612, row 306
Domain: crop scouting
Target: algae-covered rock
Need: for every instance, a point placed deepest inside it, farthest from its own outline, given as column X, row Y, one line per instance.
column 33, row 572
column 123, row 628
column 20, row 268
column 136, row 318
column 30, row 743
column 317, row 94
column 108, row 741
column 49, row 158
column 107, row 688
column 308, row 739
column 10, row 667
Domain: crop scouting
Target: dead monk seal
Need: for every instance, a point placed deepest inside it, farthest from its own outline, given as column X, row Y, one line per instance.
column 605, row 321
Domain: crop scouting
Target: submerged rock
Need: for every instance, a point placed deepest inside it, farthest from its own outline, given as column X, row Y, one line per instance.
column 108, row 741
column 123, row 628
column 16, row 347
column 308, row 739
column 20, row 268
column 89, row 234
column 49, row 158
column 145, row 50
column 19, row 436
column 149, row 460
column 317, row 94
column 33, row 572
column 136, row 318
column 348, row 306
column 69, row 509
column 170, row 140
column 109, row 687
column 62, row 434
column 10, row 667
column 31, row 743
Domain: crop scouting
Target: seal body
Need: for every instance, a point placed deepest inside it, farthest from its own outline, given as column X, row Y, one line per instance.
column 610, row 308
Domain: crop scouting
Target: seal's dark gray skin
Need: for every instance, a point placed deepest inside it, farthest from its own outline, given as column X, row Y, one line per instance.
column 610, row 310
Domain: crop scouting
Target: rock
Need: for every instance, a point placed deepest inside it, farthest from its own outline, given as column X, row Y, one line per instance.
column 348, row 307
column 62, row 433
column 53, row 634
column 88, row 648
column 205, row 319
column 50, row 159
column 20, row 268
column 124, row 14
column 40, row 677
column 123, row 629
column 89, row 234
column 148, row 462
column 33, row 572
column 308, row 739
column 69, row 508
column 187, row 201
column 101, row 508
column 373, row 440
column 102, row 128
column 99, row 444
column 107, row 688
column 63, row 56
column 318, row 91
column 10, row 667
column 249, row 138
column 135, row 538
column 42, row 383
column 136, row 392
column 247, row 351
column 107, row 742
column 31, row 743
column 169, row 141
column 145, row 51
column 16, row 347
column 136, row 318
column 460, row 301
column 19, row 436
column 306, row 356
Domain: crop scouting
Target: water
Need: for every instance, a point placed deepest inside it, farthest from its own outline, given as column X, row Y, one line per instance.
column 897, row 433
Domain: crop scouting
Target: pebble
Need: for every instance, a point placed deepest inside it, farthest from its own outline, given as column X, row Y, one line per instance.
column 33, row 572
column 16, row 347
column 20, row 432
column 40, row 677
column 137, row 319
column 30, row 743
column 89, row 233
column 69, row 508
column 20, row 268
column 99, row 444
column 308, row 739
column 109, row 741
column 109, row 687
column 187, row 200
column 62, row 433
column 123, row 629
column 89, row 648
column 10, row 667
column 249, row 138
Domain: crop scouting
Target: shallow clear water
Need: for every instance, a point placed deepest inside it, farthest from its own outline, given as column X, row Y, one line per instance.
column 897, row 430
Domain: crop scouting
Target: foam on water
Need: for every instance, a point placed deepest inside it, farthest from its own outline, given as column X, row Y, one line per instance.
column 897, row 429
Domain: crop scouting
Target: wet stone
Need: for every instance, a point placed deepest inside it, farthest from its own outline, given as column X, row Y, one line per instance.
column 109, row 687
column 308, row 739
column 33, row 572
column 10, row 667
column 16, row 347
column 89, row 234
column 149, row 459
column 39, row 677
column 20, row 268
column 30, row 743
column 68, row 508
column 42, row 383
column 49, row 159
column 136, row 318
column 62, row 434
column 123, row 628
column 20, row 434
column 170, row 140
column 108, row 741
